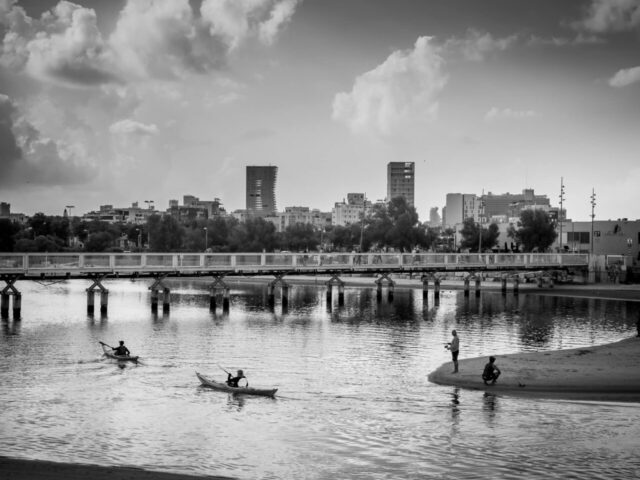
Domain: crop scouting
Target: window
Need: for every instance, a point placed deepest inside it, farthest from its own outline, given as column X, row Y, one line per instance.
column 578, row 237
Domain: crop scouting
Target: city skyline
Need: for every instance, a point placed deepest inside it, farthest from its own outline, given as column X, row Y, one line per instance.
column 116, row 102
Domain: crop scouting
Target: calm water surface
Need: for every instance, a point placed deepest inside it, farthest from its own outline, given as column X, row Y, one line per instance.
column 354, row 400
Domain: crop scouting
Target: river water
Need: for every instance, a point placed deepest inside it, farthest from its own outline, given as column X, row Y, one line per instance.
column 353, row 401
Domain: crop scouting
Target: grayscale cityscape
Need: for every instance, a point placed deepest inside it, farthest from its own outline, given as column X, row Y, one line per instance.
column 319, row 239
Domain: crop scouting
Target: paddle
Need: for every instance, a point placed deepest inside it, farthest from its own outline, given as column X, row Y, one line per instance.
column 106, row 345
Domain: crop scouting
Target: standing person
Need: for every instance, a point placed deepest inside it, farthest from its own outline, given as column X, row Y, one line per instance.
column 121, row 349
column 491, row 372
column 454, row 346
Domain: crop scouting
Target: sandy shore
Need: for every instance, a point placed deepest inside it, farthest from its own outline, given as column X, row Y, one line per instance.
column 606, row 372
column 16, row 469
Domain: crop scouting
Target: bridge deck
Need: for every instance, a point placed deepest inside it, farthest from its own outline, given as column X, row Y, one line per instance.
column 76, row 265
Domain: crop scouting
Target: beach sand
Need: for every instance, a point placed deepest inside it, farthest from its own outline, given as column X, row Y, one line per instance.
column 608, row 372
column 17, row 469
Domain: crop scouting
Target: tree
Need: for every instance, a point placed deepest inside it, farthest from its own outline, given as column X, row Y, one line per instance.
column 536, row 231
column 396, row 225
column 299, row 237
column 7, row 231
column 165, row 233
column 471, row 232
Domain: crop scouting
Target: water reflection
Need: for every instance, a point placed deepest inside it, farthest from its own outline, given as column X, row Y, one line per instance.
column 489, row 406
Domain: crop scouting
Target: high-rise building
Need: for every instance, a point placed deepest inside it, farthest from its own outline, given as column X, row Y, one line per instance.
column 401, row 181
column 261, row 190
column 461, row 206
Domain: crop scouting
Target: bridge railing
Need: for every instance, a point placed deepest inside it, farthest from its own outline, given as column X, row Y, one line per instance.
column 186, row 262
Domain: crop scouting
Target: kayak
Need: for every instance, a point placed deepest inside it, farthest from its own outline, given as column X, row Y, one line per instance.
column 223, row 387
column 121, row 358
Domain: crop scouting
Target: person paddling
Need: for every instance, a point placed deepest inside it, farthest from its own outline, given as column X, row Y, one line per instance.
column 121, row 349
column 233, row 381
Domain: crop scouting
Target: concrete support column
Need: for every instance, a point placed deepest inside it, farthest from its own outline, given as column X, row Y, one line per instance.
column 478, row 282
column 225, row 300
column 379, row 292
column 436, row 288
column 540, row 282
column 166, row 300
column 466, row 286
column 212, row 300
column 425, row 287
column 341, row 294
column 4, row 305
column 285, row 295
column 390, row 292
column 17, row 305
column 503, row 281
column 329, row 293
column 90, row 302
column 104, row 301
column 154, row 300
column 271, row 295
column 516, row 284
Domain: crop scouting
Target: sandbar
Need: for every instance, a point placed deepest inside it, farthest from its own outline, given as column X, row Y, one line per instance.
column 19, row 469
column 609, row 372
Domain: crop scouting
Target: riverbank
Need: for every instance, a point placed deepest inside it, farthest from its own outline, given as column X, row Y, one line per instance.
column 18, row 469
column 608, row 372
column 604, row 291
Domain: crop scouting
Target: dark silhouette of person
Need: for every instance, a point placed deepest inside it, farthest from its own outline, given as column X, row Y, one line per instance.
column 233, row 381
column 491, row 372
column 121, row 349
column 454, row 347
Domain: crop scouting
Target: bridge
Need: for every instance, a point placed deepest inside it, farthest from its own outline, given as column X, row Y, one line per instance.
column 96, row 267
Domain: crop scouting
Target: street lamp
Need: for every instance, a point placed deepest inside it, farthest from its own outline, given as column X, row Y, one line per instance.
column 593, row 215
column 560, row 212
column 206, row 239
column 139, row 237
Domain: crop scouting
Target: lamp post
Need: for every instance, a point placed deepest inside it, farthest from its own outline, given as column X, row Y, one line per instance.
column 206, row 238
column 560, row 212
column 593, row 215
column 364, row 211
column 139, row 237
column 480, row 212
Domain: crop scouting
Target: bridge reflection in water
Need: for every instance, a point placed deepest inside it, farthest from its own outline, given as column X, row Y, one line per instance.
column 96, row 267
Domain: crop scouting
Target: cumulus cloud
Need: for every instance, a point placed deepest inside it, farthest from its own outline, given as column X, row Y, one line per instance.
column 477, row 45
column 237, row 20
column 603, row 16
column 152, row 38
column 133, row 127
column 625, row 77
column 405, row 85
column 28, row 157
column 508, row 113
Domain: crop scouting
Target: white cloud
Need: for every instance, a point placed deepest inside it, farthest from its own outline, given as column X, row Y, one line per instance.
column 477, row 45
column 405, row 85
column 625, row 77
column 579, row 39
column 604, row 16
column 237, row 20
column 133, row 127
column 508, row 113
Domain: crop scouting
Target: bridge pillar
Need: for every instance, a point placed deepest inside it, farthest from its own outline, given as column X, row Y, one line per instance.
column 212, row 300
column 436, row 288
column 425, row 286
column 478, row 282
column 540, row 282
column 503, row 281
column 329, row 292
column 225, row 300
column 4, row 305
column 17, row 305
column 166, row 299
column 516, row 283
column 154, row 300
column 97, row 286
column 379, row 292
column 285, row 295
column 341, row 294
column 390, row 291
column 271, row 298
column 104, row 301
column 466, row 286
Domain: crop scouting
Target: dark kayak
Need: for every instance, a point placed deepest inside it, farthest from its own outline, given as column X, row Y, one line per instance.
column 223, row 387
column 121, row 358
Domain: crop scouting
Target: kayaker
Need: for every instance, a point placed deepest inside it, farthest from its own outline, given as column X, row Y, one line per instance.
column 121, row 349
column 491, row 372
column 233, row 381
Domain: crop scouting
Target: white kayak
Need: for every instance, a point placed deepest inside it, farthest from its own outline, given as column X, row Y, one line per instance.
column 223, row 387
column 108, row 351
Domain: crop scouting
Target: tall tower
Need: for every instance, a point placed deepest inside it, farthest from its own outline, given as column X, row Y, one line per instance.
column 401, row 181
column 261, row 190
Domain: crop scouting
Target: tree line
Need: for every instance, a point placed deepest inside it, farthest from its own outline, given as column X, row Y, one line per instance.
column 393, row 226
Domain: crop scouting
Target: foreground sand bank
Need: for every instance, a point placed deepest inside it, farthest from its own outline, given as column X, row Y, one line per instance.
column 17, row 469
column 606, row 372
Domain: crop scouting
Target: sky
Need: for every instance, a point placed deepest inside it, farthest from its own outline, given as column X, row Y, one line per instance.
column 122, row 101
